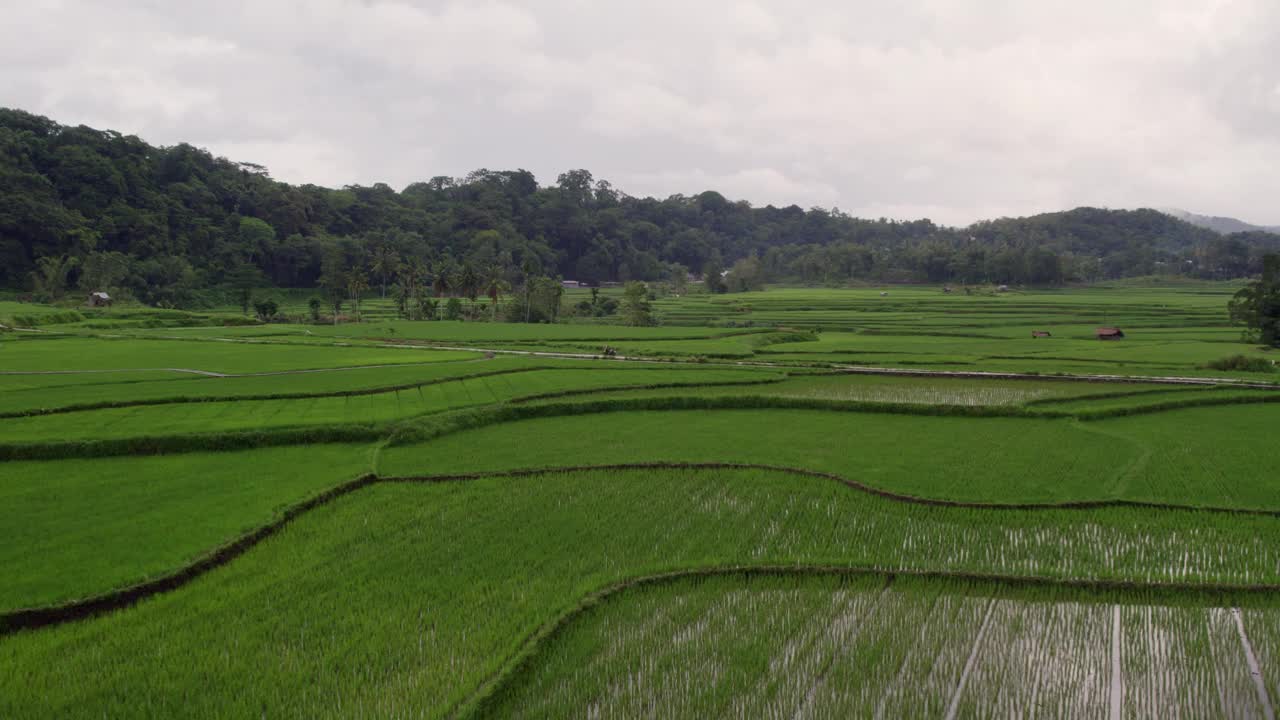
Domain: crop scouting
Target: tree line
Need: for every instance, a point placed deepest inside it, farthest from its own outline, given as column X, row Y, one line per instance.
column 98, row 210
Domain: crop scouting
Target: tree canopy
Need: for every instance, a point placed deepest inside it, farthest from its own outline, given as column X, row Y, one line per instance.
column 100, row 210
column 1257, row 306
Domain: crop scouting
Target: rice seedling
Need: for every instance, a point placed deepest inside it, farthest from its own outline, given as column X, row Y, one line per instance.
column 985, row 460
column 80, row 527
column 1185, row 661
column 62, row 353
column 943, row 579
column 404, row 599
column 209, row 415
column 804, row 645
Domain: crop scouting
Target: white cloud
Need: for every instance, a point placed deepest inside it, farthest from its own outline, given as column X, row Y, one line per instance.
column 957, row 109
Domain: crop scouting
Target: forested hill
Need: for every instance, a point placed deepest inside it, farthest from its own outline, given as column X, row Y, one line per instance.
column 102, row 210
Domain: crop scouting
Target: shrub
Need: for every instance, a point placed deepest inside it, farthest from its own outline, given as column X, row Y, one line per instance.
column 1243, row 363
column 265, row 309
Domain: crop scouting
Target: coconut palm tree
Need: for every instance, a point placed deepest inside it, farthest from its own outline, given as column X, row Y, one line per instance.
column 442, row 283
column 385, row 263
column 494, row 286
column 469, row 282
column 357, row 283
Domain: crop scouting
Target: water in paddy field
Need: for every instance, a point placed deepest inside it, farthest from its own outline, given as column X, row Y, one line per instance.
column 913, row 648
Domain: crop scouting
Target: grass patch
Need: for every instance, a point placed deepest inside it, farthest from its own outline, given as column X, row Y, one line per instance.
column 993, row 460
column 782, row 644
column 82, row 527
column 403, row 599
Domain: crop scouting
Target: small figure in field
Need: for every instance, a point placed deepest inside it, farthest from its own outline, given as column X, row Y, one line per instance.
column 609, row 352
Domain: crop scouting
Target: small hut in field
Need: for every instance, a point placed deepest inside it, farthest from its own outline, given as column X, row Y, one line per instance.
column 98, row 299
column 1110, row 333
column 1041, row 333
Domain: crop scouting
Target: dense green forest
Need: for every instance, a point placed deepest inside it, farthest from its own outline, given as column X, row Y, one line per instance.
column 98, row 210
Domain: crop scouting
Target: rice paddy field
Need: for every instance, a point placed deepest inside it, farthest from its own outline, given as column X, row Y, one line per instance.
column 873, row 502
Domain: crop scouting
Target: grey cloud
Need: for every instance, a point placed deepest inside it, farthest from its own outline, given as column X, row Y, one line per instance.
column 953, row 109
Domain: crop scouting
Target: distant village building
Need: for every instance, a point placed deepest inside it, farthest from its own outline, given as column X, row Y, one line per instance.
column 99, row 299
column 1040, row 333
column 1110, row 333
column 1003, row 288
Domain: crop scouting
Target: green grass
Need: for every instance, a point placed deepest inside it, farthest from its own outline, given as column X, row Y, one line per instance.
column 854, row 387
column 81, row 527
column 1157, row 397
column 990, row 460
column 73, row 353
column 400, row 600
column 34, row 392
column 74, row 385
column 866, row 646
column 408, row 599
column 470, row 332
column 1173, row 329
column 368, row 410
column 27, row 392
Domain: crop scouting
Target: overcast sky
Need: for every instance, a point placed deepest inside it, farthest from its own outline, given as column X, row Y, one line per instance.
column 950, row 109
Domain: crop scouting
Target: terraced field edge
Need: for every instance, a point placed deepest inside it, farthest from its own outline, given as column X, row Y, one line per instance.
column 32, row 618
column 415, row 429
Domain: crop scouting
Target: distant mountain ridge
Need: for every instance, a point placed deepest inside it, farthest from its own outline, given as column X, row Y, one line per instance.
column 1219, row 224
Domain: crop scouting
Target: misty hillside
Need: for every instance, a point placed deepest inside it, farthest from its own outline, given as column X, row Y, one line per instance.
column 1218, row 224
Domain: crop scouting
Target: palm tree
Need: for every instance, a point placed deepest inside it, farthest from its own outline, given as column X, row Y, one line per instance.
column 469, row 282
column 530, row 266
column 408, row 289
column 357, row 283
column 494, row 287
column 442, row 283
column 409, row 274
column 385, row 263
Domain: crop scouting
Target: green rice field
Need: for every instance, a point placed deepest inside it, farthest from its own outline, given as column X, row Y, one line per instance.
column 803, row 502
